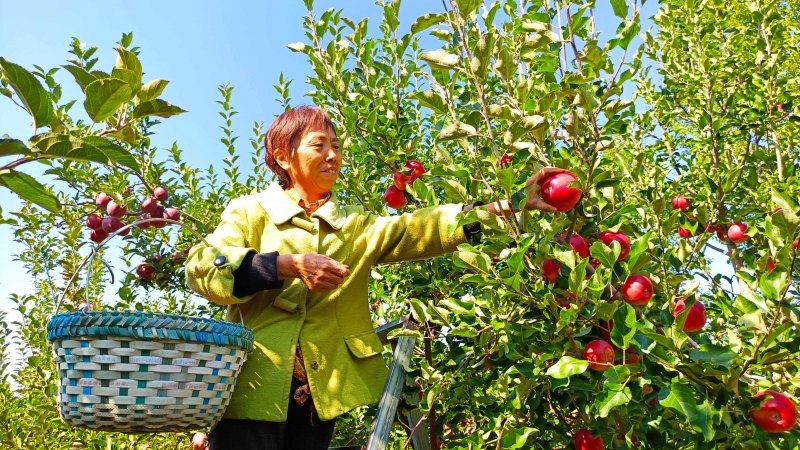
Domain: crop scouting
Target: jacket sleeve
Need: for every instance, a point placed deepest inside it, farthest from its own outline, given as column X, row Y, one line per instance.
column 417, row 235
column 209, row 268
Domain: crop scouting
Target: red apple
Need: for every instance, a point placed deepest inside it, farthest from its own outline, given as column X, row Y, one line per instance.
column 684, row 233
column 177, row 258
column 779, row 107
column 578, row 244
column 94, row 222
column 401, row 180
column 595, row 263
column 416, row 168
column 145, row 271
column 637, row 290
column 736, row 233
column 797, row 244
column 145, row 225
column 550, row 269
column 172, row 214
column 115, row 209
column 777, row 414
column 680, row 202
column 161, row 193
column 394, row 198
column 505, row 160
column 124, row 232
column 149, row 205
column 102, row 199
column 111, row 224
column 695, row 319
column 98, row 236
column 600, row 355
column 564, row 301
column 158, row 214
column 770, row 265
column 609, row 236
column 584, row 441
column 556, row 191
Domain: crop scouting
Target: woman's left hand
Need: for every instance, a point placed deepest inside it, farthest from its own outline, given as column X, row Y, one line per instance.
column 535, row 201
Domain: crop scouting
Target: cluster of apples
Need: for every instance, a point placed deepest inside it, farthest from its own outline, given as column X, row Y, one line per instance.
column 153, row 268
column 395, row 197
column 116, row 210
column 735, row 232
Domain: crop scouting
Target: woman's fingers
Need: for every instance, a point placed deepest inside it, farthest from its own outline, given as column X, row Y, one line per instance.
column 537, row 203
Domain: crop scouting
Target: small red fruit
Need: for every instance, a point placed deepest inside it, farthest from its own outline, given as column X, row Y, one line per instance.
column 177, row 258
column 98, row 236
column 416, row 168
column 158, row 214
column 149, row 205
column 684, row 233
column 609, row 236
column 595, row 263
column 394, row 198
column 584, row 441
column 145, row 225
column 115, row 209
column 145, row 271
column 375, row 306
column 637, row 290
column 797, row 244
column 172, row 214
column 161, row 193
column 777, row 414
column 94, row 222
column 770, row 265
column 736, row 233
column 556, row 191
column 505, row 160
column 124, row 232
column 564, row 301
column 578, row 244
column 600, row 355
column 401, row 180
column 680, row 202
column 695, row 319
column 550, row 269
column 111, row 224
column 102, row 199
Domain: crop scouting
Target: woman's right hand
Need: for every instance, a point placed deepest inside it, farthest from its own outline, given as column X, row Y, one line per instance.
column 319, row 272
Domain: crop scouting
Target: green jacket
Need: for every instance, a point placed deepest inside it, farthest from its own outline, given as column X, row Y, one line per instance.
column 342, row 353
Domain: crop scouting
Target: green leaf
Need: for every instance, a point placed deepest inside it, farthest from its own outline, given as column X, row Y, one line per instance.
column 481, row 54
column 89, row 149
column 156, row 107
column 10, row 146
column 566, row 367
column 620, row 8
column 681, row 398
column 127, row 76
column 772, row 284
column 299, row 47
column 505, row 65
column 105, row 96
column 613, row 395
column 704, row 421
column 82, row 77
column 441, row 59
column 127, row 60
column 126, row 135
column 624, row 326
column 605, row 254
column 456, row 130
column 35, row 98
column 424, row 22
column 28, row 189
column 715, row 354
column 565, row 256
column 467, row 7
column 431, row 99
column 151, row 90
column 477, row 261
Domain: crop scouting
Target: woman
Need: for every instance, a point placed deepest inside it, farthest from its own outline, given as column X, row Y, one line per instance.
column 296, row 265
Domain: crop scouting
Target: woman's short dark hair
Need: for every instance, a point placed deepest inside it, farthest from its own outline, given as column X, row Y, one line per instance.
column 286, row 133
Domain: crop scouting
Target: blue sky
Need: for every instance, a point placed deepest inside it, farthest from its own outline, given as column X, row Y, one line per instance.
column 197, row 46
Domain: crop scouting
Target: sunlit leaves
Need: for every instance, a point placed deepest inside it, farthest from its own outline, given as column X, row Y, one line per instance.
column 105, row 96
column 33, row 96
column 27, row 188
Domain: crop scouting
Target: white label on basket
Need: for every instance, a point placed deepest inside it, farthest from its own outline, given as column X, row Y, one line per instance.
column 88, row 382
column 220, row 386
column 189, row 362
column 216, row 364
column 105, row 359
column 71, row 358
column 160, row 384
column 123, row 383
column 145, row 360
column 196, row 386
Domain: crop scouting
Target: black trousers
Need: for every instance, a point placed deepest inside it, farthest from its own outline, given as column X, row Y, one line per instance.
column 297, row 433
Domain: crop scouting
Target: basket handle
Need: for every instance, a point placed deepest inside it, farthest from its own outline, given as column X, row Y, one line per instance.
column 90, row 258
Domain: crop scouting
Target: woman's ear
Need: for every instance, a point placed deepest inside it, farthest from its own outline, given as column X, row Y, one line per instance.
column 282, row 158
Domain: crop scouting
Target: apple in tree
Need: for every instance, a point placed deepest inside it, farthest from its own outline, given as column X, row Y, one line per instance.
column 401, row 180
column 770, row 265
column 172, row 214
column 149, row 205
column 557, row 192
column 394, row 198
column 609, row 236
column 550, row 269
column 583, row 440
column 145, row 271
column 505, row 159
column 600, row 355
column 695, row 318
column 111, row 224
column 797, row 244
column 564, row 301
column 416, row 168
column 94, row 222
column 158, row 214
column 637, row 290
column 114, row 209
column 102, row 200
column 578, row 244
column 684, row 233
column 161, row 193
column 680, row 202
column 98, row 236
column 776, row 414
column 145, row 225
column 736, row 233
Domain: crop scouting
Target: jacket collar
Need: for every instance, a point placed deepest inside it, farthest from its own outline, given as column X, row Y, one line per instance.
column 281, row 208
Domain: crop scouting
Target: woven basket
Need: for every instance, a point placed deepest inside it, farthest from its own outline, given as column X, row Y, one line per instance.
column 140, row 372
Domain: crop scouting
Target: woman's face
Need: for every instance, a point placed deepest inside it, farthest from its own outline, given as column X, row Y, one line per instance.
column 315, row 165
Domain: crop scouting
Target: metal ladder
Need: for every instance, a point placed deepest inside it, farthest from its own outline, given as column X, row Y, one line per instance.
column 387, row 407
